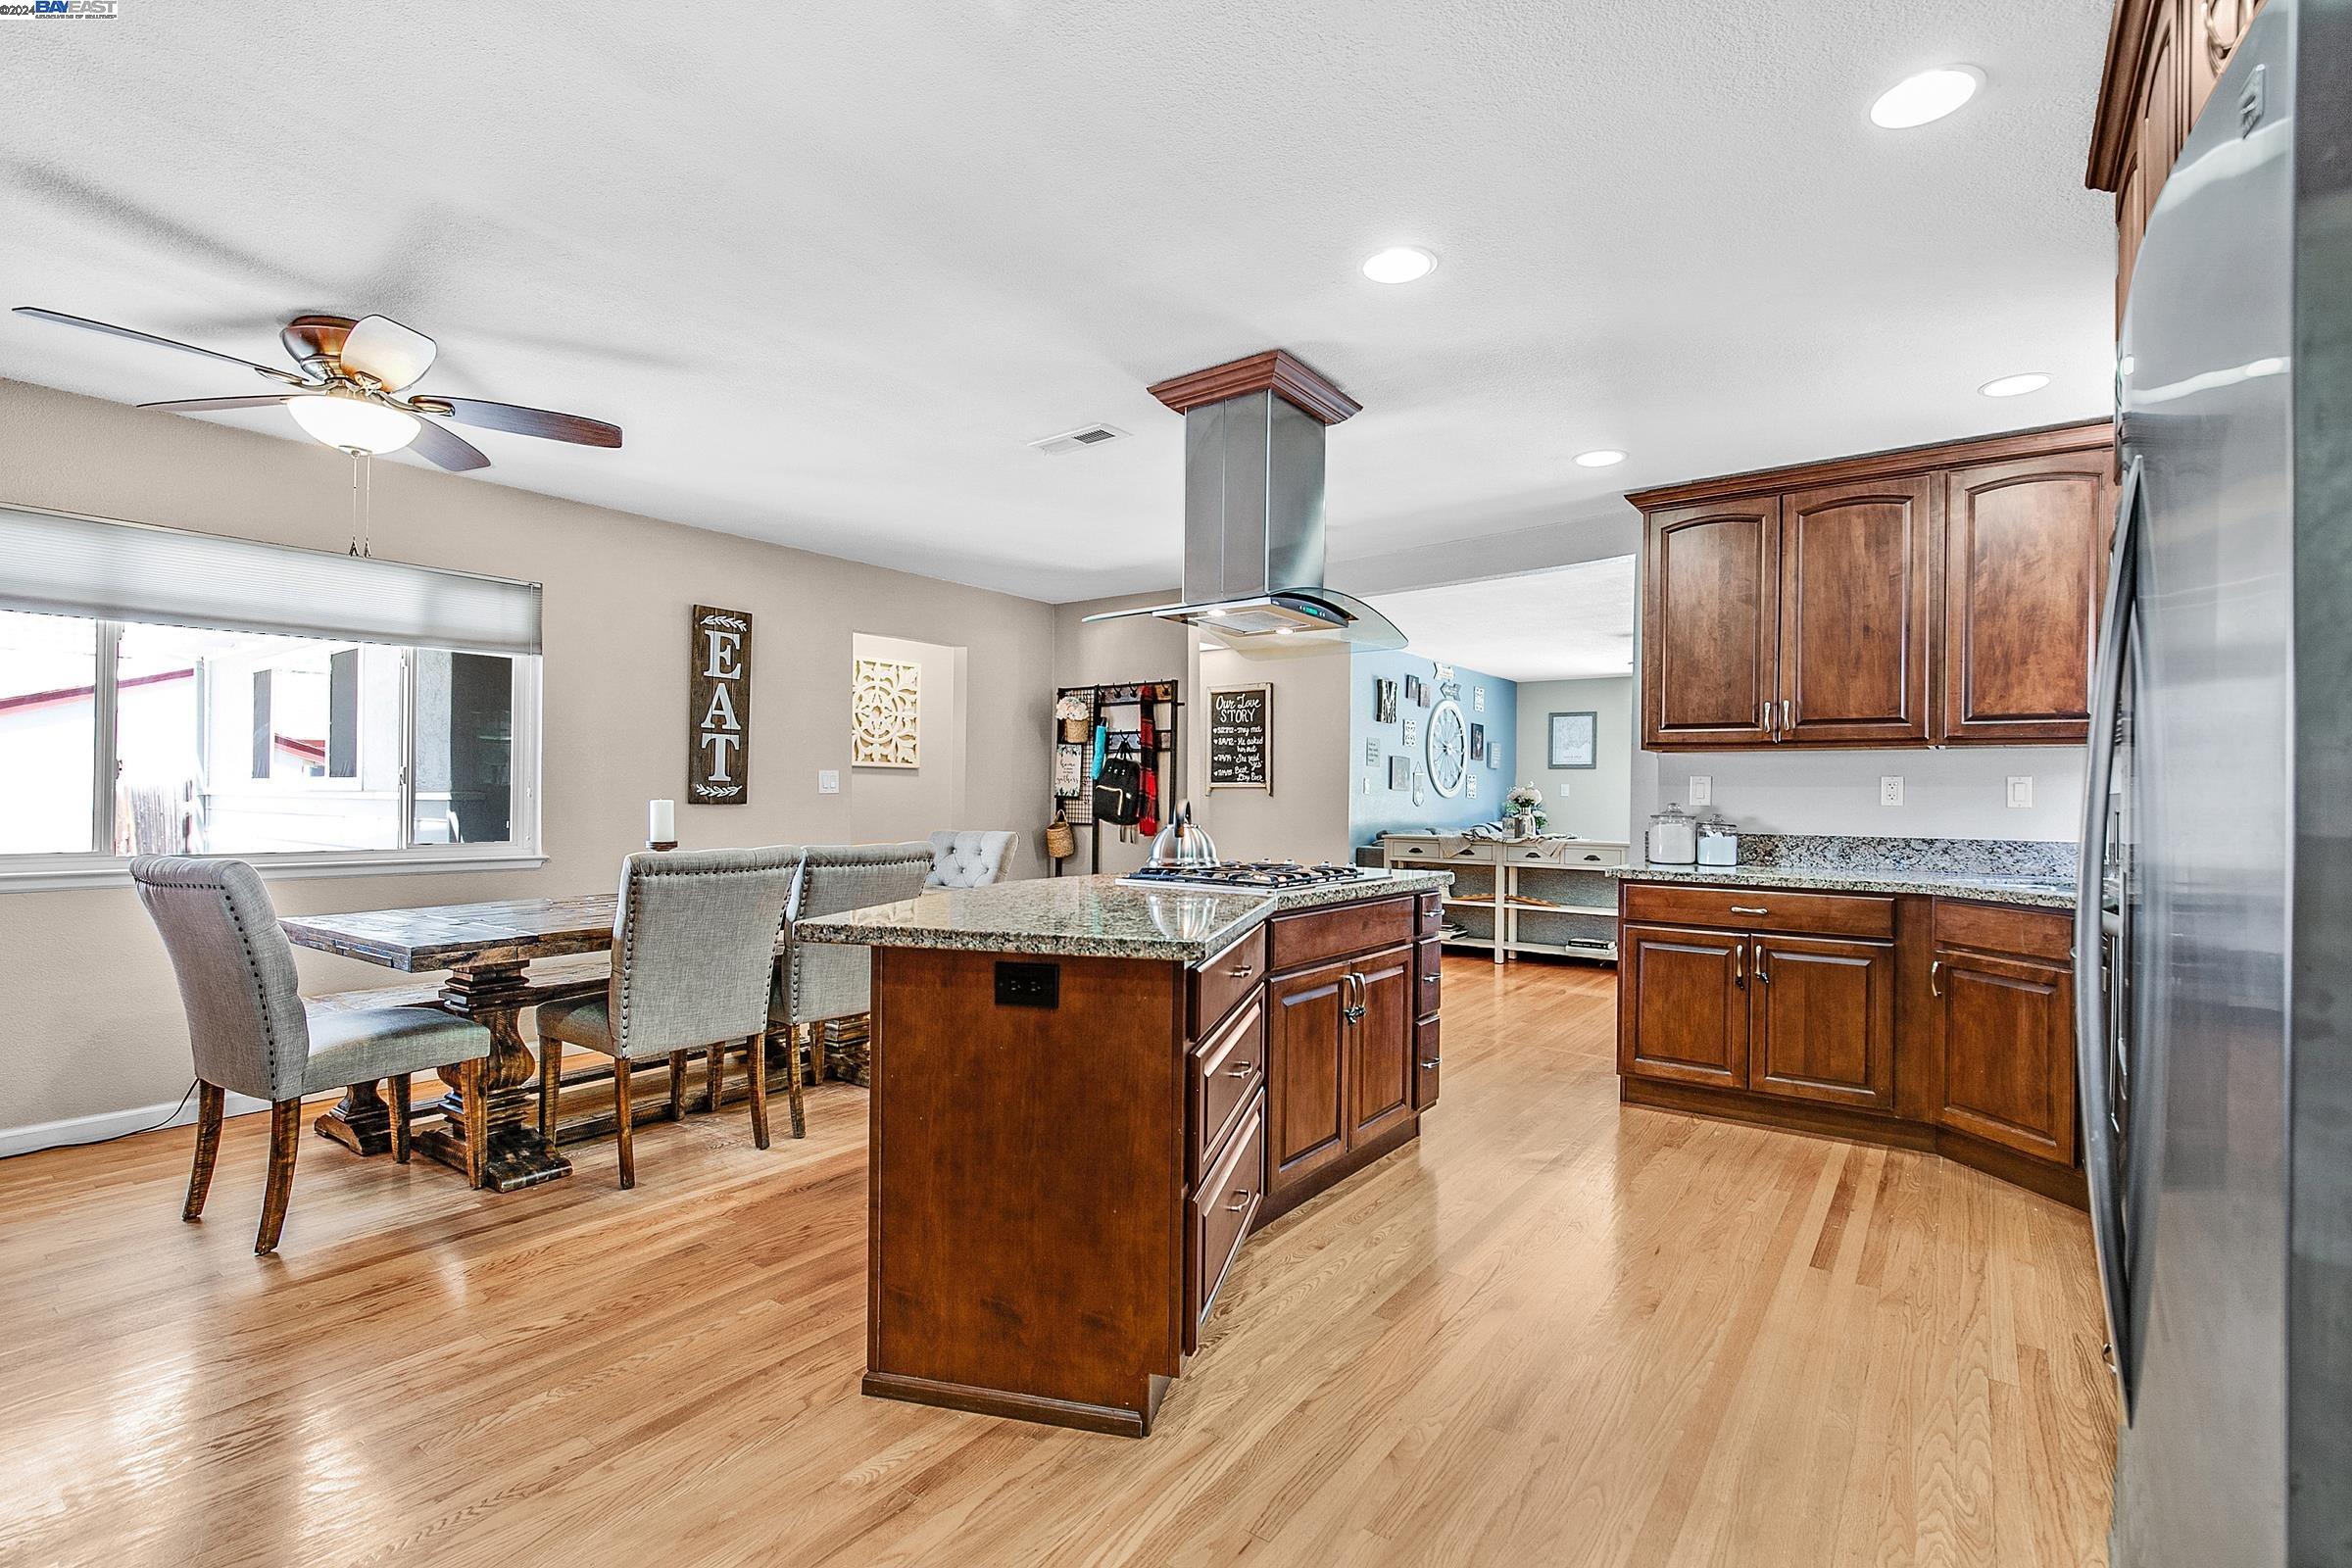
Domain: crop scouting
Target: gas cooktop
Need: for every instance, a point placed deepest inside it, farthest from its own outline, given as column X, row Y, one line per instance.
column 1250, row 876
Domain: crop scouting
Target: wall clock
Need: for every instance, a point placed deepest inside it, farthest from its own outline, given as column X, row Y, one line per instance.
column 1449, row 748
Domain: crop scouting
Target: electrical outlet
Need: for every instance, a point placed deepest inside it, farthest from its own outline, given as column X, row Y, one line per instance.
column 1702, row 790
column 2021, row 790
column 1367, row 783
column 1890, row 789
column 828, row 781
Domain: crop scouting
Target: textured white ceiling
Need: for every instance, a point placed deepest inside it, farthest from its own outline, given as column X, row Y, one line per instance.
column 1565, row 624
column 833, row 265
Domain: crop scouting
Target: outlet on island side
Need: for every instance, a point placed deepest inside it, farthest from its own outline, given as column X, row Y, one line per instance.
column 1890, row 789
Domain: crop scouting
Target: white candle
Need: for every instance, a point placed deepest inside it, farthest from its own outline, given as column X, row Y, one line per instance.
column 661, row 822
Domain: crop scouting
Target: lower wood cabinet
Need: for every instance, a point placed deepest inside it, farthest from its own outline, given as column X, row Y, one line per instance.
column 1343, row 1075
column 1967, row 1006
column 1821, row 1020
column 2006, row 1027
column 1682, row 1004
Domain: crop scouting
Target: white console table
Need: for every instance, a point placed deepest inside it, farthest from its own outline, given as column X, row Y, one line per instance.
column 1547, row 894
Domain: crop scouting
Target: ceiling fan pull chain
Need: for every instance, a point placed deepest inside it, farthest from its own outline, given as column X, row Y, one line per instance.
column 355, row 503
column 367, row 461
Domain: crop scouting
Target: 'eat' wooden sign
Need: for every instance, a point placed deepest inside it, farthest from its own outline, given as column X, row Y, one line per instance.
column 718, row 770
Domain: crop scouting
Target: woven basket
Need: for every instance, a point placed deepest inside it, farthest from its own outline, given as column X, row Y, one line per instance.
column 1074, row 731
column 1062, row 839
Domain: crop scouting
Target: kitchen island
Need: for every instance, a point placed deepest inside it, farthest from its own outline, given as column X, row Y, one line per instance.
column 1086, row 1095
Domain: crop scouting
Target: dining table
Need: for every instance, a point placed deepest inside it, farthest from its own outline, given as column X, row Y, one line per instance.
column 487, row 951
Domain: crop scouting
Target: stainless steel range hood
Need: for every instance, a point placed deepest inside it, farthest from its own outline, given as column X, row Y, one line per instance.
column 1254, row 509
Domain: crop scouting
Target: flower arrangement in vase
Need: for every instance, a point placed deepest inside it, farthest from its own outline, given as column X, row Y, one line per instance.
column 1526, row 808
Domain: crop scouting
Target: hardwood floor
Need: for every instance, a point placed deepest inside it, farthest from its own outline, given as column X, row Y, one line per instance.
column 1556, row 1331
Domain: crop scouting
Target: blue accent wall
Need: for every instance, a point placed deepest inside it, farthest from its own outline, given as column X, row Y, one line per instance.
column 1393, row 811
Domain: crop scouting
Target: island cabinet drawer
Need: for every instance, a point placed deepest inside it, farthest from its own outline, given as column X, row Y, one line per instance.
column 1427, row 971
column 1313, row 935
column 1835, row 915
column 1213, row 986
column 2033, row 933
column 1227, row 1071
column 1225, row 1203
column 1430, row 909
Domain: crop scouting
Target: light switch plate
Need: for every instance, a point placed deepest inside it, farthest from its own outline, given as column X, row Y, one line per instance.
column 2021, row 790
column 1890, row 789
column 1702, row 789
column 828, row 781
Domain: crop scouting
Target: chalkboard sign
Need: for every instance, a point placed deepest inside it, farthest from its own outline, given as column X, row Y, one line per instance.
column 1241, row 721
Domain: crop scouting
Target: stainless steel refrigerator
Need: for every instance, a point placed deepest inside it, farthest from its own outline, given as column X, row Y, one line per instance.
column 2214, row 973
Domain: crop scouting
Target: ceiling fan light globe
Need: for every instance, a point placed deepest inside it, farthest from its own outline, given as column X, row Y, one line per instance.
column 351, row 423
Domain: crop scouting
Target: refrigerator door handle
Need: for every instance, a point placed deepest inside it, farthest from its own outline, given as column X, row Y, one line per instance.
column 2090, row 1010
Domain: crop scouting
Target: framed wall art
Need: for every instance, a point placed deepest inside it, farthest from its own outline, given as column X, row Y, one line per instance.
column 885, row 697
column 1570, row 741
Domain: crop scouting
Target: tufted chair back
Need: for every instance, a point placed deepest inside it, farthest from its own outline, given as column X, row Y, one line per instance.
column 693, row 942
column 967, row 857
column 246, row 1024
column 820, row 981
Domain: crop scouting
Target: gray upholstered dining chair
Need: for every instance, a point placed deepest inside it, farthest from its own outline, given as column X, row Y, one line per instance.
column 817, row 981
column 250, row 1031
column 965, row 858
column 694, row 940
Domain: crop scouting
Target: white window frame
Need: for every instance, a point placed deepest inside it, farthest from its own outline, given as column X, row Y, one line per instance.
column 100, row 867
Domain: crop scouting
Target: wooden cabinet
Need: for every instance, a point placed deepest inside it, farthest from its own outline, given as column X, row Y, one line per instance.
column 2023, row 579
column 1923, row 1023
column 1342, row 1080
column 2163, row 60
column 2002, row 988
column 1853, row 640
column 1306, row 1073
column 1821, row 1020
column 1936, row 596
column 1682, row 1005
column 1710, row 623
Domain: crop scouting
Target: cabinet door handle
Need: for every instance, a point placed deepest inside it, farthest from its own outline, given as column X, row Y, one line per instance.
column 1745, row 909
column 1430, row 1065
column 1241, row 1070
column 1240, row 1201
column 1764, row 721
column 1763, row 973
column 1739, row 964
column 1788, row 715
column 1935, row 969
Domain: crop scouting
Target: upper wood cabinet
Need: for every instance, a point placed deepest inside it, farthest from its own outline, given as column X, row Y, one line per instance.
column 1709, row 672
column 1935, row 596
column 2163, row 58
column 1854, row 576
column 2023, row 578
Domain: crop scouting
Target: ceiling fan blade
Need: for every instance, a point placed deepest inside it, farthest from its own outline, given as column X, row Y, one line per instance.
column 517, row 420
column 200, row 405
column 387, row 353
column 436, row 443
column 83, row 322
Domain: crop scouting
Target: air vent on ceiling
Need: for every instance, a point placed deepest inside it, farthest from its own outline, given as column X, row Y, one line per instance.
column 1093, row 435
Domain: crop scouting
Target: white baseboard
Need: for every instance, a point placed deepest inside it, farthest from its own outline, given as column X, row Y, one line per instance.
column 112, row 1124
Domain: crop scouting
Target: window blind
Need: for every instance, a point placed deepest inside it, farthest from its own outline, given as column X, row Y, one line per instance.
column 56, row 563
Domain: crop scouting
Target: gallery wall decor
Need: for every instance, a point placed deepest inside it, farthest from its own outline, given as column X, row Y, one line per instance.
column 1384, row 700
column 885, row 695
column 718, row 706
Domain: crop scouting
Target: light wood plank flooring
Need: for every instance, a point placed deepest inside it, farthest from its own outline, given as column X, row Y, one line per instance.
column 1555, row 1332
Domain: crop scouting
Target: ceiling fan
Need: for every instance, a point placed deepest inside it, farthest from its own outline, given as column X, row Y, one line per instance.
column 349, row 390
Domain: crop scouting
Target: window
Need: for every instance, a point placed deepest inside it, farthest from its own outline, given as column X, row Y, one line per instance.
column 298, row 747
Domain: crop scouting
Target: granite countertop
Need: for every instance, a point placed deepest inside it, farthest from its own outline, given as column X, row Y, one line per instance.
column 2037, row 890
column 1088, row 916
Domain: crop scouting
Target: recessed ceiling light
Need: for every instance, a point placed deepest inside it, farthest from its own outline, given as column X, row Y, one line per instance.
column 1400, row 263
column 1606, row 456
column 1929, row 95
column 2011, row 386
